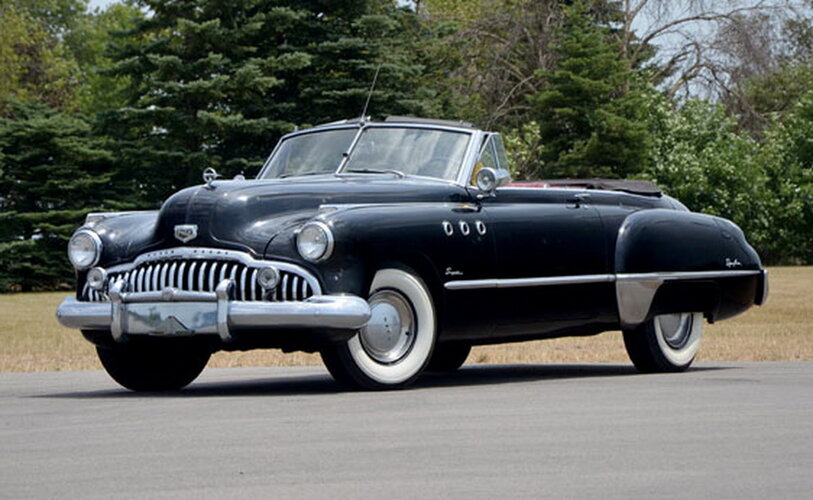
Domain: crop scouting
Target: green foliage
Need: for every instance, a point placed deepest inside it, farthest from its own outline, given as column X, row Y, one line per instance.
column 216, row 84
column 36, row 64
column 90, row 42
column 52, row 172
column 589, row 112
column 700, row 159
column 788, row 159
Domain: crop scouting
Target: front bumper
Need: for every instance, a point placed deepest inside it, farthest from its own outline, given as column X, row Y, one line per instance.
column 175, row 313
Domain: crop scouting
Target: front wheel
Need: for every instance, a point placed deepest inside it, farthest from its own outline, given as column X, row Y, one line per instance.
column 394, row 347
column 152, row 369
column 666, row 343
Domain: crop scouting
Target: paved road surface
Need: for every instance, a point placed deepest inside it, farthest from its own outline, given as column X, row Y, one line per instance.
column 601, row 431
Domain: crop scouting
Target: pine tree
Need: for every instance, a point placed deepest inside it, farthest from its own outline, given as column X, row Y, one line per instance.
column 215, row 84
column 52, row 172
column 589, row 111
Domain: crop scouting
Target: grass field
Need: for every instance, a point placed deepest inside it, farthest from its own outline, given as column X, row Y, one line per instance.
column 32, row 340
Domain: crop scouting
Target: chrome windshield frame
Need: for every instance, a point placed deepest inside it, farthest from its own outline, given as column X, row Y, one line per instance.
column 464, row 171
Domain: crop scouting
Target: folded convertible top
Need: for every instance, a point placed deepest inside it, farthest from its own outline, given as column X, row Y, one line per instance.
column 646, row 188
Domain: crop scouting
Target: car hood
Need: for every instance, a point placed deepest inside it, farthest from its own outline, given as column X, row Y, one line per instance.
column 248, row 214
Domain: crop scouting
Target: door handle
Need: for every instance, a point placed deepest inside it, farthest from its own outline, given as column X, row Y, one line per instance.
column 578, row 199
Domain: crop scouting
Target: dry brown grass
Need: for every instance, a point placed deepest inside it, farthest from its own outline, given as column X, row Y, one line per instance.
column 32, row 340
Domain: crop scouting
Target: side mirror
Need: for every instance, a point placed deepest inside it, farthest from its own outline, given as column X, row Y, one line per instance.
column 489, row 179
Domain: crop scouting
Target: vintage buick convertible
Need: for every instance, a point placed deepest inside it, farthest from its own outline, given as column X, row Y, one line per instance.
column 391, row 248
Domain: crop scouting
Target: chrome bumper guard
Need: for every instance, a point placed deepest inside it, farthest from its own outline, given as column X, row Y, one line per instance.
column 172, row 312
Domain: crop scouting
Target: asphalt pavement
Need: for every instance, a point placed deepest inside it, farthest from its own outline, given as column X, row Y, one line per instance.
column 721, row 430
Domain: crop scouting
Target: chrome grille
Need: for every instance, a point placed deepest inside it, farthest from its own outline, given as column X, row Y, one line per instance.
column 203, row 275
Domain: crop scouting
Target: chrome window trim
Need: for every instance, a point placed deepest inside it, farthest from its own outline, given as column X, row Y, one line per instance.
column 464, row 171
column 203, row 253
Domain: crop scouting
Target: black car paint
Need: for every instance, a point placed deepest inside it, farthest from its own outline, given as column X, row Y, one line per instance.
column 384, row 220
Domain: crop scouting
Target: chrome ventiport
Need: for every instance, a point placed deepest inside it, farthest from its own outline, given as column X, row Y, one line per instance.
column 481, row 227
column 447, row 228
column 464, row 228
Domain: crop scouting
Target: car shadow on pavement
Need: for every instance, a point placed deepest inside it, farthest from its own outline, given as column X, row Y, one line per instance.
column 319, row 384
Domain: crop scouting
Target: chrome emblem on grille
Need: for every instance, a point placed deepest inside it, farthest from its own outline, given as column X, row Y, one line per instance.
column 186, row 232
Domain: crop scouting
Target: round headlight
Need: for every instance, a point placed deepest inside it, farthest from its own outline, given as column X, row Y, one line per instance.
column 84, row 249
column 315, row 241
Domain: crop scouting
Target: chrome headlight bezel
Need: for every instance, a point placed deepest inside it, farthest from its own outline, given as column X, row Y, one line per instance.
column 93, row 249
column 319, row 237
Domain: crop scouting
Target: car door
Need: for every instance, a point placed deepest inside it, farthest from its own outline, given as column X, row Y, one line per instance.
column 551, row 258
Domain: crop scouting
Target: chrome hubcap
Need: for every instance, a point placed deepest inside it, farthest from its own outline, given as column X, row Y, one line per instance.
column 675, row 328
column 390, row 333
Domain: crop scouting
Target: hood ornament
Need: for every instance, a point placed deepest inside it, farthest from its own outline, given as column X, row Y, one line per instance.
column 209, row 176
column 186, row 232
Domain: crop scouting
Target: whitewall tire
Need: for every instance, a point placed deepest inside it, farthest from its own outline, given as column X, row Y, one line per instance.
column 666, row 343
column 396, row 345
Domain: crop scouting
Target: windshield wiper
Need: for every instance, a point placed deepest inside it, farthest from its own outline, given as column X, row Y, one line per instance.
column 377, row 171
column 315, row 172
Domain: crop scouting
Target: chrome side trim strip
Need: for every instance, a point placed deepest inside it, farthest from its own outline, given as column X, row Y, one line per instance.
column 525, row 282
column 634, row 291
column 592, row 278
column 685, row 275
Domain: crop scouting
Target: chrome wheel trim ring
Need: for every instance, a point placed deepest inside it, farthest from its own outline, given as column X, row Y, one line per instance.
column 684, row 355
column 676, row 329
column 391, row 331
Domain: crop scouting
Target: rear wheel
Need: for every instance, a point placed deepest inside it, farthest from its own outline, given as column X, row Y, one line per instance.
column 448, row 357
column 141, row 368
column 666, row 343
column 395, row 346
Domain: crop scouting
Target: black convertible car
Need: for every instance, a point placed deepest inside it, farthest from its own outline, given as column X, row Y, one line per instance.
column 393, row 247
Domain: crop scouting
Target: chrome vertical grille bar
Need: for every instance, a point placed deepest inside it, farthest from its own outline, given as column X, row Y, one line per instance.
column 294, row 288
column 147, row 278
column 233, row 276
column 181, row 276
column 191, row 275
column 202, row 276
column 172, row 269
column 212, row 273
column 284, row 287
column 162, row 281
column 140, row 280
column 254, row 285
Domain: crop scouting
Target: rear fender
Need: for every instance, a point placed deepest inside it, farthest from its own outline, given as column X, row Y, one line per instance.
column 669, row 261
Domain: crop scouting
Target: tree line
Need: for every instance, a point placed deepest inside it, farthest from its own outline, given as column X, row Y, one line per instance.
column 115, row 109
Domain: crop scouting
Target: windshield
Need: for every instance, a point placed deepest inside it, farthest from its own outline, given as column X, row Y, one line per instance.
column 412, row 151
column 310, row 154
column 403, row 150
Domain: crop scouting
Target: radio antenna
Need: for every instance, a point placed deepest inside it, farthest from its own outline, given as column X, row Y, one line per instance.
column 370, row 93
